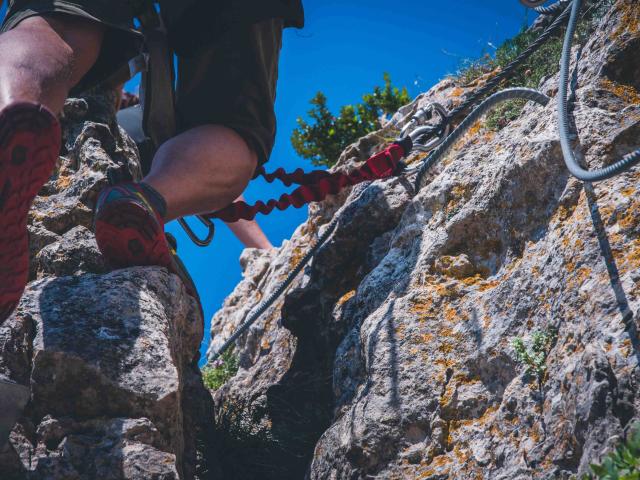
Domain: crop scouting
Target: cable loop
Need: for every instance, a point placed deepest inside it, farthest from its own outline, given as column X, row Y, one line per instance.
column 427, row 137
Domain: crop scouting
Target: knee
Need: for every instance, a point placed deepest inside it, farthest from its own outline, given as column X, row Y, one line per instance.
column 67, row 47
column 231, row 156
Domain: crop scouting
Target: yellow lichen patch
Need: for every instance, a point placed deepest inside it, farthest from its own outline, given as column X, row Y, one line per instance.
column 446, row 348
column 64, row 179
column 489, row 136
column 458, row 193
column 296, row 255
column 447, row 290
column 461, row 455
column 470, row 281
column 562, row 213
column 474, row 130
column 630, row 220
column 630, row 21
column 579, row 277
column 425, row 338
column 632, row 258
column 488, row 285
column 625, row 92
column 440, row 461
column 628, row 191
column 456, row 92
column 571, row 265
column 488, row 415
column 445, row 363
column 627, row 347
column 445, row 332
column 346, row 297
column 450, row 313
column 421, row 306
column 459, row 190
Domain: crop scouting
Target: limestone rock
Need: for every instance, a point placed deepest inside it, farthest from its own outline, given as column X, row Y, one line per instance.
column 107, row 355
column 391, row 356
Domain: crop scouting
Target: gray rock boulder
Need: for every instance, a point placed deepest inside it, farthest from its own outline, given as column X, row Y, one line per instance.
column 110, row 357
column 392, row 356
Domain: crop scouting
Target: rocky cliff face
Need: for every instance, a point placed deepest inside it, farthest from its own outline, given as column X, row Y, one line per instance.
column 392, row 356
column 110, row 357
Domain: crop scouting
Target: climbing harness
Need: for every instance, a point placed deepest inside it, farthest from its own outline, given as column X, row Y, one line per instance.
column 413, row 134
column 152, row 121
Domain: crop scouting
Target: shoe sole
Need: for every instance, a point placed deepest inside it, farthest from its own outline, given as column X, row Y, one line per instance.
column 29, row 146
column 128, row 236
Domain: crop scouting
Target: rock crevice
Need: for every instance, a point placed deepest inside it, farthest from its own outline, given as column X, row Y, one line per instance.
column 392, row 356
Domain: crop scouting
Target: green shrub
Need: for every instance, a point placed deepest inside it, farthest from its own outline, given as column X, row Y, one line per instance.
column 323, row 138
column 623, row 463
column 225, row 368
column 533, row 354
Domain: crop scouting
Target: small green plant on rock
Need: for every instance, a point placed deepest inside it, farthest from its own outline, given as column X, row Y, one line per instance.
column 221, row 372
column 533, row 355
column 621, row 464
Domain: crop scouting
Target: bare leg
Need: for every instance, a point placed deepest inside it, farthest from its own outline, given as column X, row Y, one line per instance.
column 250, row 233
column 42, row 58
column 201, row 170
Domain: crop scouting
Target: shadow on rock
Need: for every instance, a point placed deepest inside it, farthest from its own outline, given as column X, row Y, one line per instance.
column 107, row 371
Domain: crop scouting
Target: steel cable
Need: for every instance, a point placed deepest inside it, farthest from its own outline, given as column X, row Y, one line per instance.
column 508, row 70
column 493, row 100
column 271, row 299
column 563, row 116
column 551, row 9
column 473, row 117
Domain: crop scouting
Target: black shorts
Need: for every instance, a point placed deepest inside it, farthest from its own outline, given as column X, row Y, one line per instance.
column 230, row 81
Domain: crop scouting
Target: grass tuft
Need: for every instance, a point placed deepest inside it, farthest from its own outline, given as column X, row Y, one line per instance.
column 221, row 372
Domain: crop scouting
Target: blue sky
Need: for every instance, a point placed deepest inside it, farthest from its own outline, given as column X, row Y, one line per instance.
column 343, row 51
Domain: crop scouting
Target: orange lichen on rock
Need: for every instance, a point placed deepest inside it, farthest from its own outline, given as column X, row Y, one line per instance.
column 628, row 191
column 579, row 277
column 296, row 255
column 346, row 297
column 630, row 220
column 422, row 306
column 630, row 21
column 625, row 92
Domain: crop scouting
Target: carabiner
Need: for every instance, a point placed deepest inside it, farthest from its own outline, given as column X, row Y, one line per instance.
column 193, row 237
column 441, row 130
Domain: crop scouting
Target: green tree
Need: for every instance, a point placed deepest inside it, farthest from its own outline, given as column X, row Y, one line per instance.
column 323, row 136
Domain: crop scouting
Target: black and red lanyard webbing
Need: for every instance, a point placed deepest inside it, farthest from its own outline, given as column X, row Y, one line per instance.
column 316, row 185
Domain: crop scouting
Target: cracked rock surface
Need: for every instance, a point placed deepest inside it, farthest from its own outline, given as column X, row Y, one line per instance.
column 108, row 356
column 391, row 356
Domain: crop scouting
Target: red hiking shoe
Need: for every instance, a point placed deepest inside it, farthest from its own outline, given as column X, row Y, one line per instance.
column 129, row 230
column 30, row 139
